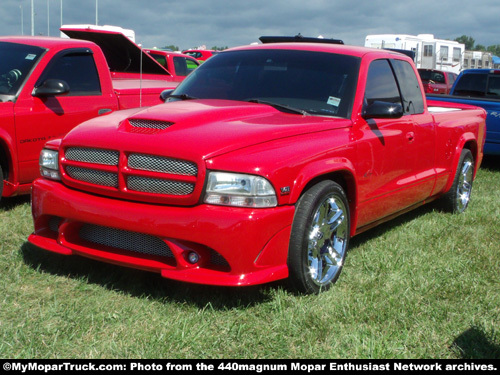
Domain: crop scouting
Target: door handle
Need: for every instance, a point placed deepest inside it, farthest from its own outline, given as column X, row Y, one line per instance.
column 410, row 136
column 103, row 111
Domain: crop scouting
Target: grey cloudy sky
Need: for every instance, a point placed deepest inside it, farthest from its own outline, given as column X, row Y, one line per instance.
column 190, row 23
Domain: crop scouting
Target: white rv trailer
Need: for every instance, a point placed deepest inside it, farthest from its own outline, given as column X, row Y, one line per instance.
column 430, row 53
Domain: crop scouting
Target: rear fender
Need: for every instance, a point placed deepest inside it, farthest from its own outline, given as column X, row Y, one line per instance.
column 468, row 141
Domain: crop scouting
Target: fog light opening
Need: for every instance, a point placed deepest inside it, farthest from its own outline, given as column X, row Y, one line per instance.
column 193, row 257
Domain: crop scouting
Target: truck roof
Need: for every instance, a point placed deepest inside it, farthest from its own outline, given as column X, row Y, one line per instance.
column 46, row 41
column 481, row 71
column 321, row 47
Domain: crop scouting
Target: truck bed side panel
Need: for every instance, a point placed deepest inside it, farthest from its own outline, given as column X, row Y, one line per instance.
column 457, row 126
column 133, row 93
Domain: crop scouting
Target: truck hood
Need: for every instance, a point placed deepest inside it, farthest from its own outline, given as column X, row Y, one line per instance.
column 196, row 129
column 122, row 54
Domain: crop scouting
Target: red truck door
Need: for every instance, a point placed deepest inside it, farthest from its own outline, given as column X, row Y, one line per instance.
column 423, row 139
column 43, row 117
column 389, row 150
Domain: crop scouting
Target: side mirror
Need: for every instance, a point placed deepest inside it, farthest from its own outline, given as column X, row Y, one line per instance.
column 165, row 94
column 51, row 87
column 380, row 109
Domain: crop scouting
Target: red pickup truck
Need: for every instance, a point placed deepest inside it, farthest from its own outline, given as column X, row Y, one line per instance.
column 200, row 54
column 50, row 85
column 177, row 64
column 437, row 81
column 259, row 167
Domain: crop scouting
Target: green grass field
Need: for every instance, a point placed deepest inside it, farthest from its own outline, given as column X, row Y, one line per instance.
column 425, row 285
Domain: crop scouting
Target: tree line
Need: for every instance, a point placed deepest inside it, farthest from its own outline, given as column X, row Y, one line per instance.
column 176, row 48
column 470, row 45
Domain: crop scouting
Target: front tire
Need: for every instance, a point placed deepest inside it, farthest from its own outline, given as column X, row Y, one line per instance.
column 319, row 239
column 457, row 198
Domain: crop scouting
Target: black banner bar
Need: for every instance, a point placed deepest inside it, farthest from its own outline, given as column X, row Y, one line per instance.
column 258, row 366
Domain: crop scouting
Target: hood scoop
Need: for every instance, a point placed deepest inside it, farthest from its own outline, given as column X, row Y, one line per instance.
column 146, row 126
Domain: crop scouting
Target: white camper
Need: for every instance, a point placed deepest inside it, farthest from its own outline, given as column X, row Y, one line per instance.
column 430, row 53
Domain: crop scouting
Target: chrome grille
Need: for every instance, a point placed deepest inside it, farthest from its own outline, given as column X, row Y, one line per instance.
column 159, row 186
column 92, row 155
column 162, row 164
column 150, row 124
column 130, row 175
column 125, row 240
column 93, row 176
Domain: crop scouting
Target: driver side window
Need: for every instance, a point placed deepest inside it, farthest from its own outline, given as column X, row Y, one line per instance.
column 79, row 72
column 381, row 84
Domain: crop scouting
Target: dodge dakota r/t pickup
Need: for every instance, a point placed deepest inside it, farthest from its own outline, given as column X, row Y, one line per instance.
column 50, row 85
column 260, row 166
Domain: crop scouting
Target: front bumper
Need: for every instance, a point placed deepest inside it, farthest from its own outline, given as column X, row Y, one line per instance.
column 236, row 246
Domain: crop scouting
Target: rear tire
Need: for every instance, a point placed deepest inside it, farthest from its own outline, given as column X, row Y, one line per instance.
column 457, row 198
column 319, row 239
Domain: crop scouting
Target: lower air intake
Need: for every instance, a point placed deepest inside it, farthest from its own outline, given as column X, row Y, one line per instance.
column 125, row 240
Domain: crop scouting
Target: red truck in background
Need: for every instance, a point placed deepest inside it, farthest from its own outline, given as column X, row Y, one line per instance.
column 118, row 47
column 259, row 167
column 178, row 64
column 200, row 54
column 50, row 85
column 437, row 81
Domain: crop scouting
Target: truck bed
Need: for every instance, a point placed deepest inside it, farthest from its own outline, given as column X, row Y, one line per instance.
column 147, row 91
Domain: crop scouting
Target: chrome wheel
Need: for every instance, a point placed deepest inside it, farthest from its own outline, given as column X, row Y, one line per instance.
column 319, row 239
column 464, row 186
column 457, row 198
column 327, row 241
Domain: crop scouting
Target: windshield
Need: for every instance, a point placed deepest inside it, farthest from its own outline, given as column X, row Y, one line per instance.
column 16, row 62
column 314, row 82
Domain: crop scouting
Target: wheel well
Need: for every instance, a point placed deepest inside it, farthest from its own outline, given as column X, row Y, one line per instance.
column 4, row 162
column 472, row 146
column 345, row 179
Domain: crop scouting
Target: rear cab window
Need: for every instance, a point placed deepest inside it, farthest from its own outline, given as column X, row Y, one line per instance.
column 478, row 85
column 471, row 85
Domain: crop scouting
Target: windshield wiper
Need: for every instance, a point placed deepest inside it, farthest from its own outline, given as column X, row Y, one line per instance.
column 279, row 106
column 182, row 96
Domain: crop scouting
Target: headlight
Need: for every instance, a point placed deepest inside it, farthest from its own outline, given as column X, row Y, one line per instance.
column 241, row 190
column 49, row 164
